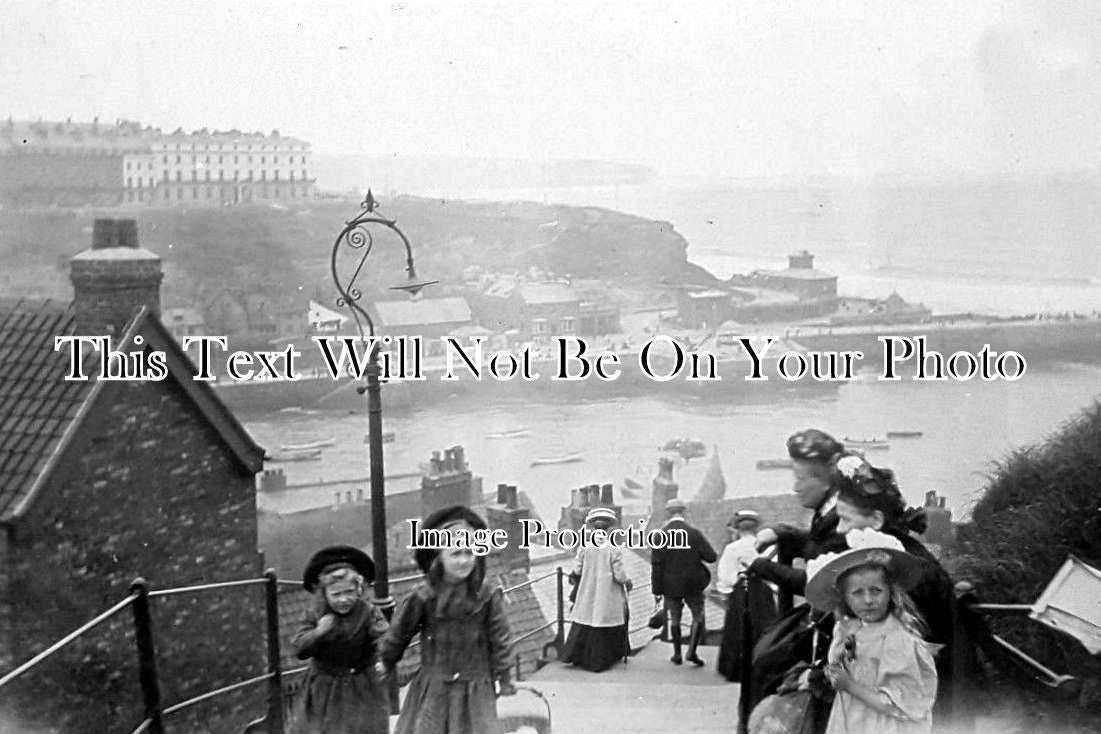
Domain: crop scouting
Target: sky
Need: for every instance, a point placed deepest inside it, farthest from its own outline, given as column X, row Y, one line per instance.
column 719, row 90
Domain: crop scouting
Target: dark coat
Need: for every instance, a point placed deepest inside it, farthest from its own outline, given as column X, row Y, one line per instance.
column 679, row 573
column 793, row 542
column 342, row 693
column 462, row 654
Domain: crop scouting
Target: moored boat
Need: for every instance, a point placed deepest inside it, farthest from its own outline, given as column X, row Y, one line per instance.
column 774, row 464
column 307, row 446
column 516, row 433
column 564, row 459
column 905, row 434
column 301, row 455
column 864, row 443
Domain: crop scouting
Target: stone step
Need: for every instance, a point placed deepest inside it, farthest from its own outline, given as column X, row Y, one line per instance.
column 648, row 694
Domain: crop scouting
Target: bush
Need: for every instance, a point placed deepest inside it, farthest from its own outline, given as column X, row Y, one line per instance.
column 1040, row 506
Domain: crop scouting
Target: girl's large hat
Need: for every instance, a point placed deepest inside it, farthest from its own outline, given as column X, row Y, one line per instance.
column 447, row 517
column 337, row 555
column 866, row 547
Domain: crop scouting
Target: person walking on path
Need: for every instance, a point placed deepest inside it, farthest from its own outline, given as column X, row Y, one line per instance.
column 598, row 628
column 737, row 555
column 678, row 576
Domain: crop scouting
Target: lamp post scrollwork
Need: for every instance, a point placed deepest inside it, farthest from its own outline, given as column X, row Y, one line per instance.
column 357, row 239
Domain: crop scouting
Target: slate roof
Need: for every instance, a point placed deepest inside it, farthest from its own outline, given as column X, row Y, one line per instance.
column 37, row 405
column 41, row 411
column 544, row 293
column 423, row 311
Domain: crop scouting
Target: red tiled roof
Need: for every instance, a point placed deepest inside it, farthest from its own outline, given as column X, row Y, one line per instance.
column 37, row 405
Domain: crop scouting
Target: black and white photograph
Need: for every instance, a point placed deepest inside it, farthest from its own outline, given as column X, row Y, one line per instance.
column 501, row 367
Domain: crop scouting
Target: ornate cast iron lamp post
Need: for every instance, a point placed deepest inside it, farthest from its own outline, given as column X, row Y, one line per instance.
column 356, row 241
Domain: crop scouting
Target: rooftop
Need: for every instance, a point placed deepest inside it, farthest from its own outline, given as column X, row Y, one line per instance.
column 422, row 311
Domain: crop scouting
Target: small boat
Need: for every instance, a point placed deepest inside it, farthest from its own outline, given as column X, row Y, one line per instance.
column 305, row 455
column 307, row 446
column 387, row 437
column 774, row 464
column 631, row 483
column 687, row 448
column 904, row 434
column 864, row 441
column 867, row 444
column 564, row 459
column 517, row 433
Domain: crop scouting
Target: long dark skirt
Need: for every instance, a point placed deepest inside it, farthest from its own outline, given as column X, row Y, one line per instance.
column 762, row 612
column 341, row 704
column 595, row 648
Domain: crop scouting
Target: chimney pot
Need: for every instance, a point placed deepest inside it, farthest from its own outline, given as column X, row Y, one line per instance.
column 502, row 494
column 606, row 494
column 510, row 497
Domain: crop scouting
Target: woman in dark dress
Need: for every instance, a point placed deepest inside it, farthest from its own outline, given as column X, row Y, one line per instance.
column 789, row 641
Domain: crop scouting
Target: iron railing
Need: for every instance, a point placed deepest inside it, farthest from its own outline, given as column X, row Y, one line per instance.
column 155, row 711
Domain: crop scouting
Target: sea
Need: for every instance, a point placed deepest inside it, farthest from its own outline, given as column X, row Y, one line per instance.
column 987, row 249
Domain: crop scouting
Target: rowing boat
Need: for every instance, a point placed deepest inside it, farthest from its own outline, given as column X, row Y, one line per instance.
column 564, row 459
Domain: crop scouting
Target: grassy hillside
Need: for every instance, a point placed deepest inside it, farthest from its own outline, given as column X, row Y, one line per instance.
column 279, row 251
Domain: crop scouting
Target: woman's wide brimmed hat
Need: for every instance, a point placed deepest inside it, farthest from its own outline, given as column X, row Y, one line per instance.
column 871, row 548
column 337, row 555
column 455, row 516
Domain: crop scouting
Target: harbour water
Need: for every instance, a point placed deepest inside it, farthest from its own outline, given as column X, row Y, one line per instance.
column 966, row 427
column 978, row 250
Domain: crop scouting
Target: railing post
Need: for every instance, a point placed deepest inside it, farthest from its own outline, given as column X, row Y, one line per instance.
column 560, row 635
column 745, row 674
column 275, row 682
column 147, row 661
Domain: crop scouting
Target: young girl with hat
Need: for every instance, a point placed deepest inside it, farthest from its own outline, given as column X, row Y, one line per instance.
column 878, row 661
column 464, row 636
column 344, row 690
column 869, row 497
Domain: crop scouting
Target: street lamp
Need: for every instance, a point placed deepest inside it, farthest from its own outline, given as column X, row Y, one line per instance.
column 356, row 239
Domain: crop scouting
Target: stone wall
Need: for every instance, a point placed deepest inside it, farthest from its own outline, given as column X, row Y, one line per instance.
column 148, row 490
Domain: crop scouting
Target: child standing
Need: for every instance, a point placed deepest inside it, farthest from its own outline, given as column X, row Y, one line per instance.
column 464, row 635
column 882, row 669
column 344, row 690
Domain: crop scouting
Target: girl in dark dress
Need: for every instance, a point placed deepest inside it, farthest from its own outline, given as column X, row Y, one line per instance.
column 465, row 646
column 344, row 692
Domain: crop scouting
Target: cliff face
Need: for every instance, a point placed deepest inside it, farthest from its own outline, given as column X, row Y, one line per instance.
column 283, row 250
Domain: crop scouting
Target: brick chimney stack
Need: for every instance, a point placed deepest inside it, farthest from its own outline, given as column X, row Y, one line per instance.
column 114, row 279
column 507, row 513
